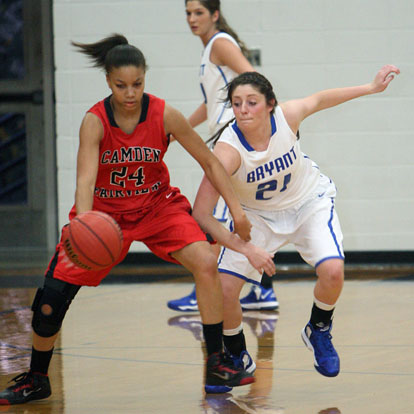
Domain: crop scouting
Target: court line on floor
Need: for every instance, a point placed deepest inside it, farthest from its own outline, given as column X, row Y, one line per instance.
column 141, row 361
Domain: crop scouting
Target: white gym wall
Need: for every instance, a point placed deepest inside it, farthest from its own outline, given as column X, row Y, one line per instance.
column 366, row 146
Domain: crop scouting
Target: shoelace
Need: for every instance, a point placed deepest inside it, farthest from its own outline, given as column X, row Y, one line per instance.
column 21, row 382
column 323, row 339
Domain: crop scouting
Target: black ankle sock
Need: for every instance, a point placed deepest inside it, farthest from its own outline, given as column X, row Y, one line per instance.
column 266, row 281
column 235, row 344
column 40, row 361
column 213, row 336
column 320, row 318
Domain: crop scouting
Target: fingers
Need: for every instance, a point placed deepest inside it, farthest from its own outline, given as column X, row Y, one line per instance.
column 269, row 268
column 246, row 237
column 388, row 71
column 393, row 68
column 385, row 75
column 261, row 260
column 388, row 79
column 244, row 232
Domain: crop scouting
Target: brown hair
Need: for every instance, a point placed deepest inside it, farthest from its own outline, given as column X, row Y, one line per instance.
column 221, row 24
column 258, row 82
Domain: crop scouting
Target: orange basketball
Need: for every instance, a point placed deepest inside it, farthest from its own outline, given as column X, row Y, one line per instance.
column 92, row 240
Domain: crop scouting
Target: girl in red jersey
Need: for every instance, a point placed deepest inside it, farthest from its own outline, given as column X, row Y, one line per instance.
column 120, row 171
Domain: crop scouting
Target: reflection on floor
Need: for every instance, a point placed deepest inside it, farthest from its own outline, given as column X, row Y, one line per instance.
column 122, row 350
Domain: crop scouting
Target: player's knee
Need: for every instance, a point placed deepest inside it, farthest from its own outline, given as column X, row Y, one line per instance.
column 230, row 295
column 207, row 263
column 49, row 307
column 333, row 272
column 337, row 273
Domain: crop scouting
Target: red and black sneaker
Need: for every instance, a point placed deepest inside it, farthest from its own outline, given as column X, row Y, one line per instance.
column 29, row 386
column 222, row 374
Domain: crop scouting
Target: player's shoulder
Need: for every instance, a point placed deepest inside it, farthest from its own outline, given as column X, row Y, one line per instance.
column 92, row 120
column 152, row 98
column 223, row 39
column 98, row 108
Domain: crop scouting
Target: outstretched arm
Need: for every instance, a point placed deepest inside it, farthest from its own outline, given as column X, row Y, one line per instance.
column 297, row 110
column 176, row 124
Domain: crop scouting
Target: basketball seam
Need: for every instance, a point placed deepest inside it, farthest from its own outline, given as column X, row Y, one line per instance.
column 114, row 224
column 98, row 237
column 73, row 241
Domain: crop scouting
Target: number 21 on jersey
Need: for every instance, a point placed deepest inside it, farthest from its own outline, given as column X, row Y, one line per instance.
column 271, row 185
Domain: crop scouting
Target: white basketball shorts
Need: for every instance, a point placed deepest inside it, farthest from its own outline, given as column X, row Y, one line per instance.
column 312, row 227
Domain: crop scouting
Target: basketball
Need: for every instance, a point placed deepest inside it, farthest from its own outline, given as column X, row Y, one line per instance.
column 92, row 240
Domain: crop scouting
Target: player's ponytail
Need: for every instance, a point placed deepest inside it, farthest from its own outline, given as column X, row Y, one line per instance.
column 213, row 139
column 223, row 26
column 112, row 52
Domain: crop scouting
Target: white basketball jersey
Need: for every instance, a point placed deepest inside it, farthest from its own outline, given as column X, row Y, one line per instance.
column 274, row 179
column 213, row 80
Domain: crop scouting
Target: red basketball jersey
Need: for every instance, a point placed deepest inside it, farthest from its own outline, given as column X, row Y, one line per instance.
column 131, row 173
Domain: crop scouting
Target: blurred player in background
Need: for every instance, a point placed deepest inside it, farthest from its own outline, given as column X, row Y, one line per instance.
column 224, row 57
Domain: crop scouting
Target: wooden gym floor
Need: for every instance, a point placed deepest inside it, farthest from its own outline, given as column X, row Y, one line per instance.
column 121, row 350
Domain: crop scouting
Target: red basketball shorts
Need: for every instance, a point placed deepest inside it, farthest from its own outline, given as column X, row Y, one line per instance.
column 164, row 228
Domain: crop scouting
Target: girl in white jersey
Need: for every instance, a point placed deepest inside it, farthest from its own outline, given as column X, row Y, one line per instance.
column 287, row 200
column 223, row 58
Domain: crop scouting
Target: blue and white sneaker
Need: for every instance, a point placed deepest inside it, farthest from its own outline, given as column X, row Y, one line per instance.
column 244, row 361
column 185, row 304
column 318, row 340
column 259, row 298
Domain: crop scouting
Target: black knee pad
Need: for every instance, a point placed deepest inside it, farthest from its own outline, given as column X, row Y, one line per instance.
column 50, row 305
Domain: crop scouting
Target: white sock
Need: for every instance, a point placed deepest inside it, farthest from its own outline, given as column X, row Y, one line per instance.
column 323, row 306
column 232, row 332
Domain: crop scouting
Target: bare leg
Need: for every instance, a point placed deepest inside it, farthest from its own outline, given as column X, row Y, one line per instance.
column 221, row 374
column 200, row 259
column 43, row 344
column 232, row 310
column 316, row 334
column 330, row 281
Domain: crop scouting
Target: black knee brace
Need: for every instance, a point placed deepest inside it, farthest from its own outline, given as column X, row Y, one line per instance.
column 50, row 305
